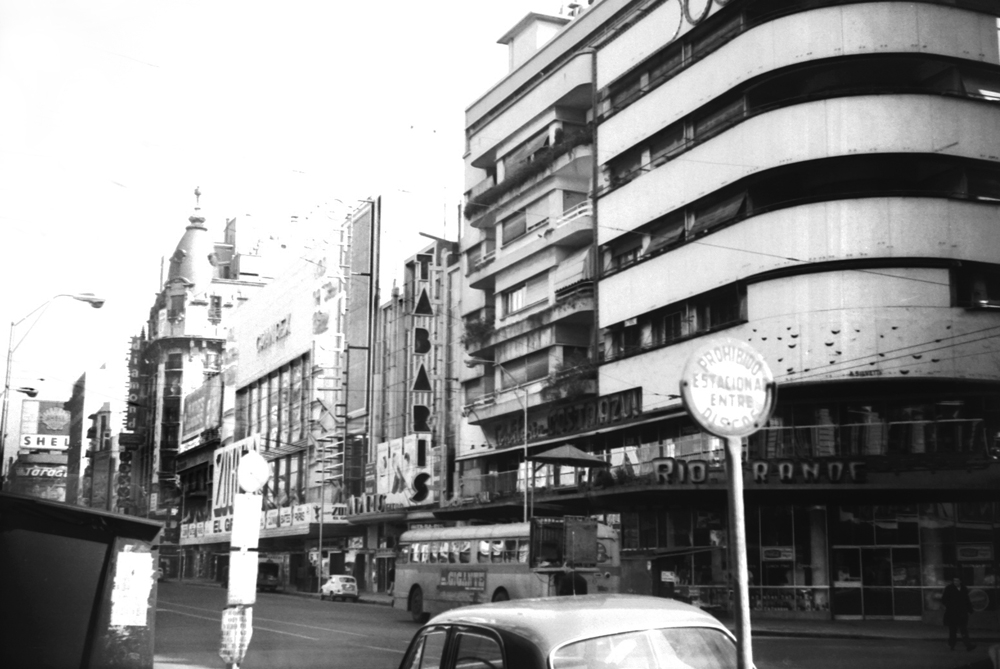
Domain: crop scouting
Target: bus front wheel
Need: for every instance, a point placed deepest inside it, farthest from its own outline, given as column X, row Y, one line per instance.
column 500, row 595
column 417, row 605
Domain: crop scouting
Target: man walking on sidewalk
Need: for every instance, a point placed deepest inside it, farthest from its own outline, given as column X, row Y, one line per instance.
column 957, row 607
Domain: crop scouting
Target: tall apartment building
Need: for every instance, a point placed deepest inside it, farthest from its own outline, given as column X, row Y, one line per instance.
column 817, row 178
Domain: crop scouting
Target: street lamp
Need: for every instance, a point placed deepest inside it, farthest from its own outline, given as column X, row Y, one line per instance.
column 89, row 298
column 523, row 399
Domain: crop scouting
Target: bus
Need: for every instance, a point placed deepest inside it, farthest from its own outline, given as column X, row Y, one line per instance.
column 447, row 567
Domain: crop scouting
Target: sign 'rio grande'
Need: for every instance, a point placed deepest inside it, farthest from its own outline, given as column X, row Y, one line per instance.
column 728, row 388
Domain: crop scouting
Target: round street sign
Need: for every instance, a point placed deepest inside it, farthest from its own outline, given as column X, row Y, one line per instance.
column 728, row 388
column 252, row 472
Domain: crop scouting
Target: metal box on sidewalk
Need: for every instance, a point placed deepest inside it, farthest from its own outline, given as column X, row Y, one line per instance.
column 77, row 586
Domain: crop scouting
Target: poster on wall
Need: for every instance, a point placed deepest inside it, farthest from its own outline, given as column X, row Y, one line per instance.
column 406, row 470
column 226, row 461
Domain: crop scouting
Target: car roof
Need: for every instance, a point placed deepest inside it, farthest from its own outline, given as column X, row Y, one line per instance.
column 549, row 622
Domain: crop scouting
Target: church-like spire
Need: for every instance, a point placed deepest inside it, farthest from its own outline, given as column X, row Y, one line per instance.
column 196, row 218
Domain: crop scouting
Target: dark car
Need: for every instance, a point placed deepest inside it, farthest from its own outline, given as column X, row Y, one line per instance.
column 586, row 632
column 268, row 576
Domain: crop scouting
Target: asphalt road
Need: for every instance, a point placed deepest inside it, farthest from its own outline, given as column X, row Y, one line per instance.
column 302, row 632
column 288, row 631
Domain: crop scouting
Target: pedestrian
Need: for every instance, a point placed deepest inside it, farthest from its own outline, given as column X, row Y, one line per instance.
column 957, row 607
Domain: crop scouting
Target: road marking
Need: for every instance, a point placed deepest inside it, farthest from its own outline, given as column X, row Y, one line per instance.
column 256, row 628
column 280, row 622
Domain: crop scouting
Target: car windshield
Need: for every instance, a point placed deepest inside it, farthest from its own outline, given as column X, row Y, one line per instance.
column 678, row 648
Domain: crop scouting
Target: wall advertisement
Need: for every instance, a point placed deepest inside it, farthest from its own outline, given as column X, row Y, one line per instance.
column 44, row 426
column 405, row 471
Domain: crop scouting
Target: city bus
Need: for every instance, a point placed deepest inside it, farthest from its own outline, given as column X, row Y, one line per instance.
column 443, row 568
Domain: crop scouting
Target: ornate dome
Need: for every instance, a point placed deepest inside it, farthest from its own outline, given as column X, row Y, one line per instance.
column 192, row 259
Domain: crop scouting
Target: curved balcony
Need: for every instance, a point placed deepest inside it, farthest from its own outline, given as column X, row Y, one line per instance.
column 574, row 229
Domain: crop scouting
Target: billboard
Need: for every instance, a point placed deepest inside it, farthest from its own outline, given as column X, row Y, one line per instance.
column 405, row 471
column 202, row 409
column 44, row 426
column 226, row 461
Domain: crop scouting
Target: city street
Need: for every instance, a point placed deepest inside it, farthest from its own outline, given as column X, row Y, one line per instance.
column 301, row 632
column 288, row 631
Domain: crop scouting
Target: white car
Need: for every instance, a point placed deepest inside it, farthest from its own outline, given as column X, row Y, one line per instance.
column 340, row 587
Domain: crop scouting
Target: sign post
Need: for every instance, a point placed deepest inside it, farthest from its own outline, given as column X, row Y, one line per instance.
column 728, row 389
column 237, row 618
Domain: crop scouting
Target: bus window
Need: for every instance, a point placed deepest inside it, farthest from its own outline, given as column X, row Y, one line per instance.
column 432, row 552
column 464, row 552
column 425, row 552
column 484, row 552
column 522, row 551
column 510, row 550
column 444, row 552
column 404, row 554
column 496, row 552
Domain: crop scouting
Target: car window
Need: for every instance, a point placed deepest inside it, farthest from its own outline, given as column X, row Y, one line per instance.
column 476, row 651
column 429, row 652
column 677, row 648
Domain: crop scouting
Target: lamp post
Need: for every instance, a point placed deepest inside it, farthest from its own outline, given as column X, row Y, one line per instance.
column 523, row 399
column 89, row 298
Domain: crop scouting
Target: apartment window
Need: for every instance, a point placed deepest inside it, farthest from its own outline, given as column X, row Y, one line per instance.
column 666, row 143
column 666, row 65
column 532, row 291
column 625, row 92
column 215, row 308
column 718, row 211
column 709, row 42
column 624, row 167
column 665, row 232
column 513, row 299
column 514, row 227
column 719, row 118
column 668, row 327
column 718, row 309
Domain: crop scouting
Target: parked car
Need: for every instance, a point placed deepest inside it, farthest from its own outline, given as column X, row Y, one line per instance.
column 268, row 576
column 340, row 587
column 585, row 632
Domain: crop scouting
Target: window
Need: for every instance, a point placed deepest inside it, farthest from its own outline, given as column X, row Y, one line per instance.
column 666, row 143
column 176, row 310
column 477, row 651
column 668, row 327
column 513, row 299
column 514, row 227
column 717, row 212
column 719, row 119
column 215, row 309
column 429, row 652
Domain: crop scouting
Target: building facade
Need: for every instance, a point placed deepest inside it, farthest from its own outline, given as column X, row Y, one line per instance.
column 183, row 344
column 817, row 179
column 414, row 407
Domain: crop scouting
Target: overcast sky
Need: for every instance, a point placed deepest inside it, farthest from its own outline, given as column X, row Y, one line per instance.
column 115, row 110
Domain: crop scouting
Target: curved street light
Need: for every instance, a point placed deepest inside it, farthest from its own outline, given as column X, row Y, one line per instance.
column 91, row 299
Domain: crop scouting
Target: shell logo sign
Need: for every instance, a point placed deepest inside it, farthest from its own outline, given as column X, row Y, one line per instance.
column 44, row 426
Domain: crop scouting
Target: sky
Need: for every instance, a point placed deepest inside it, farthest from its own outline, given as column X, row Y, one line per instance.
column 115, row 110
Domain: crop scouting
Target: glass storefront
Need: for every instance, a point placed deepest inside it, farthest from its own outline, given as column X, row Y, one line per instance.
column 841, row 561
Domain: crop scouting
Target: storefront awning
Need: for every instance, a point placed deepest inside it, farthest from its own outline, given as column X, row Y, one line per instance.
column 569, row 456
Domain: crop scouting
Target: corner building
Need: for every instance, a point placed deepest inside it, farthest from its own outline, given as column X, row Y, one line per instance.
column 819, row 179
